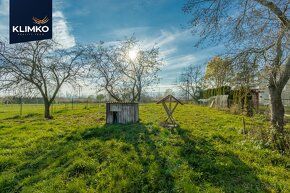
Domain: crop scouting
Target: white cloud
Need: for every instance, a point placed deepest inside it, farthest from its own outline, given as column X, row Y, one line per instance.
column 170, row 42
column 4, row 7
column 3, row 29
column 164, row 53
column 61, row 31
column 58, row 14
column 171, row 50
column 4, row 22
column 178, row 62
column 83, row 11
column 167, row 38
column 177, row 54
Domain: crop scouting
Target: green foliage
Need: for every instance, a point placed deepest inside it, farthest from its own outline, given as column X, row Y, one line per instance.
column 77, row 152
column 223, row 90
column 240, row 97
column 219, row 72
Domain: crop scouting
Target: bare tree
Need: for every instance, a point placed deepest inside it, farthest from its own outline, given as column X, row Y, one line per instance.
column 246, row 73
column 126, row 69
column 255, row 29
column 40, row 66
column 190, row 82
column 104, row 71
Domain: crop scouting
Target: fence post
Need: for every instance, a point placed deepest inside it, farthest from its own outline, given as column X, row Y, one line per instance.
column 20, row 106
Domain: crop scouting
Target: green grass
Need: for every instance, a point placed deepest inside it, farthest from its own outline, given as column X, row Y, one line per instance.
column 77, row 152
column 263, row 108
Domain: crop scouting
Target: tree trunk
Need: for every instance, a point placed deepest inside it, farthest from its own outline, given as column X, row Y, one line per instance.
column 248, row 103
column 277, row 119
column 138, row 96
column 277, row 108
column 47, row 110
column 113, row 95
column 139, row 89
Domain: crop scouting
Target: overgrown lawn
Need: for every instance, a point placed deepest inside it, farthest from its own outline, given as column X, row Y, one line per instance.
column 77, row 152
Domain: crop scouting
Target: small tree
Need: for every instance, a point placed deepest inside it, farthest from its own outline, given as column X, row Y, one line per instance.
column 190, row 82
column 100, row 97
column 245, row 78
column 40, row 66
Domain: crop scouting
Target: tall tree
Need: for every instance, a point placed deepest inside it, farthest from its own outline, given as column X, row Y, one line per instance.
column 40, row 66
column 256, row 29
column 190, row 82
column 219, row 72
column 126, row 69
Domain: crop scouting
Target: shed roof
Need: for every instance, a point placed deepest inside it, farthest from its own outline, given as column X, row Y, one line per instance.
column 122, row 103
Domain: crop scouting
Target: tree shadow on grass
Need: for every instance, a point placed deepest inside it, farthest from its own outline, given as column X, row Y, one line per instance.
column 91, row 151
column 129, row 158
column 154, row 175
column 221, row 169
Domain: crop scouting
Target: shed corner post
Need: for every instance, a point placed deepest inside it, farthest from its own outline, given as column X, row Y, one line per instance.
column 107, row 112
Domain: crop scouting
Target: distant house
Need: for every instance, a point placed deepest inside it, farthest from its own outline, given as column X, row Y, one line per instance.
column 264, row 93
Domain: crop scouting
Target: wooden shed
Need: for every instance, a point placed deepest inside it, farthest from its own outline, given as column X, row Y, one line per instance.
column 119, row 112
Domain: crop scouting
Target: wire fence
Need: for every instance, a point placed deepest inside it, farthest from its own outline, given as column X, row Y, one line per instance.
column 24, row 110
column 13, row 110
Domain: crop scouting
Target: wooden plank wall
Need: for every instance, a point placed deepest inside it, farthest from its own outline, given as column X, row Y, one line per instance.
column 127, row 112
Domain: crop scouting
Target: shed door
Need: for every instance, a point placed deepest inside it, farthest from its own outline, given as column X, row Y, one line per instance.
column 115, row 117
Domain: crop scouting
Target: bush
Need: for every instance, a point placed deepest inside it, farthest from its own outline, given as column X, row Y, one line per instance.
column 223, row 90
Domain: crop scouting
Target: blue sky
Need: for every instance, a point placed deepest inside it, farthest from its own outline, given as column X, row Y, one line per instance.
column 151, row 21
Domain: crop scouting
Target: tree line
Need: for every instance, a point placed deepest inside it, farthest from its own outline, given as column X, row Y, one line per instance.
column 219, row 73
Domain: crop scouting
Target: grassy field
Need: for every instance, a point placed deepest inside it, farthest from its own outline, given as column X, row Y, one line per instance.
column 77, row 152
column 262, row 110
